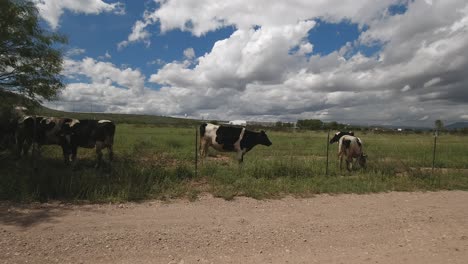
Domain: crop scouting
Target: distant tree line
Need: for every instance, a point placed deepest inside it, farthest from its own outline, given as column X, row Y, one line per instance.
column 316, row 124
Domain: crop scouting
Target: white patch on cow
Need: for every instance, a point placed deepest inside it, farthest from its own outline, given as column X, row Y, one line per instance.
column 104, row 121
column 74, row 122
column 21, row 120
column 237, row 146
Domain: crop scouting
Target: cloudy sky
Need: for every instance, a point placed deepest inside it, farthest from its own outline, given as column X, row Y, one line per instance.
column 394, row 62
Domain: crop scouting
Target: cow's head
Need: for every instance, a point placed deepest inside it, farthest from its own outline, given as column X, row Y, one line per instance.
column 68, row 128
column 338, row 135
column 263, row 139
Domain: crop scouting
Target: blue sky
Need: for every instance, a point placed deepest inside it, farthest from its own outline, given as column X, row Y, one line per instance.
column 383, row 62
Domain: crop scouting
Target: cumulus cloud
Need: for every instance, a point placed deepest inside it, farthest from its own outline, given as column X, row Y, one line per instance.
column 203, row 16
column 51, row 10
column 139, row 33
column 189, row 53
column 74, row 52
column 267, row 69
column 105, row 73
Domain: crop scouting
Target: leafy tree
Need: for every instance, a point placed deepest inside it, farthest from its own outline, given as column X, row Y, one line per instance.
column 30, row 61
column 439, row 125
column 313, row 124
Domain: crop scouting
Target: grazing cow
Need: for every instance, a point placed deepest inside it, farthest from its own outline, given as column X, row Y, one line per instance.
column 338, row 135
column 232, row 139
column 97, row 134
column 8, row 125
column 351, row 147
column 41, row 130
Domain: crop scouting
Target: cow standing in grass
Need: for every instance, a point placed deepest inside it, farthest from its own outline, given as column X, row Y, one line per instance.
column 97, row 134
column 230, row 139
column 350, row 147
column 39, row 131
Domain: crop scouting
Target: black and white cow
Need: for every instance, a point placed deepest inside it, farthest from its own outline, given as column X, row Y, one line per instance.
column 338, row 135
column 230, row 139
column 97, row 134
column 41, row 130
column 350, row 147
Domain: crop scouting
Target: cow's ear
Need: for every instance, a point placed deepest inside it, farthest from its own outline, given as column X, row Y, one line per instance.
column 262, row 131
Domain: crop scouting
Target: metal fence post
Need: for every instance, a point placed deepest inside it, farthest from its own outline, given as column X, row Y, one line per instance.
column 196, row 152
column 436, row 133
column 328, row 140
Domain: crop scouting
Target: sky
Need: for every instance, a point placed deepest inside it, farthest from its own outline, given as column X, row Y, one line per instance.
column 387, row 62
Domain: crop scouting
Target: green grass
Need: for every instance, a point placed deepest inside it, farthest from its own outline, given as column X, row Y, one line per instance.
column 154, row 162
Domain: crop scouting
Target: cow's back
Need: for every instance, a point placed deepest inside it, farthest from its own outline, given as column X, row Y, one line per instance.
column 350, row 146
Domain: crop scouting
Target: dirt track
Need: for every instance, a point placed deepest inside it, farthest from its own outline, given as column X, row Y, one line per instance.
column 378, row 228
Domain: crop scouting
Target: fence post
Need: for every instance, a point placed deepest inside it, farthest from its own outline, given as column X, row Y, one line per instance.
column 34, row 145
column 196, row 152
column 436, row 133
column 328, row 140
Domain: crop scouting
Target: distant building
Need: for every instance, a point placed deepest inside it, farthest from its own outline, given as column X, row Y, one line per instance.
column 238, row 122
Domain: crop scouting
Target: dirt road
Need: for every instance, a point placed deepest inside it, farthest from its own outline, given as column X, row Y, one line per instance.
column 377, row 228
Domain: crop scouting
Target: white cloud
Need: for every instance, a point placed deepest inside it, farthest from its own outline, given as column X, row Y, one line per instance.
column 74, row 52
column 202, row 16
column 264, row 70
column 51, row 10
column 105, row 73
column 106, row 56
column 189, row 53
column 464, row 117
column 432, row 82
column 406, row 88
column 139, row 33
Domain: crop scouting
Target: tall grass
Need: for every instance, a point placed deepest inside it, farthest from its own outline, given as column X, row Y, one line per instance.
column 158, row 163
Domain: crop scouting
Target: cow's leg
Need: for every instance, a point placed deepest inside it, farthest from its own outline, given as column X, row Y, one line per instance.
column 110, row 152
column 349, row 164
column 66, row 155
column 99, row 147
column 74, row 151
column 36, row 154
column 240, row 156
column 341, row 162
column 25, row 147
column 203, row 149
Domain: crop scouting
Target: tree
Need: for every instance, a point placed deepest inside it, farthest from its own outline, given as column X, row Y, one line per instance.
column 312, row 124
column 439, row 125
column 30, row 61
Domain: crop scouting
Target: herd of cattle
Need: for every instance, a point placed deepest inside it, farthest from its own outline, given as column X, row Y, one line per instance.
column 72, row 133
column 241, row 140
column 68, row 133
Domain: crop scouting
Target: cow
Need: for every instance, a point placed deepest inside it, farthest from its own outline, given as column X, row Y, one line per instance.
column 339, row 134
column 39, row 131
column 87, row 133
column 230, row 139
column 350, row 147
column 8, row 125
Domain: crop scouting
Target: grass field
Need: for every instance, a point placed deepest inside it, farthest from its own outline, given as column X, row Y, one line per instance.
column 158, row 162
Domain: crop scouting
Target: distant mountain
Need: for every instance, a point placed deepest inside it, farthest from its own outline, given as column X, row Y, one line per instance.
column 457, row 125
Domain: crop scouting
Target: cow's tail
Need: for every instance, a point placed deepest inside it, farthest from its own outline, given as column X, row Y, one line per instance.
column 203, row 129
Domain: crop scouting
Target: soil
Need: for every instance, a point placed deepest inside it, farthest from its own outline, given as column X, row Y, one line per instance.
column 430, row 227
